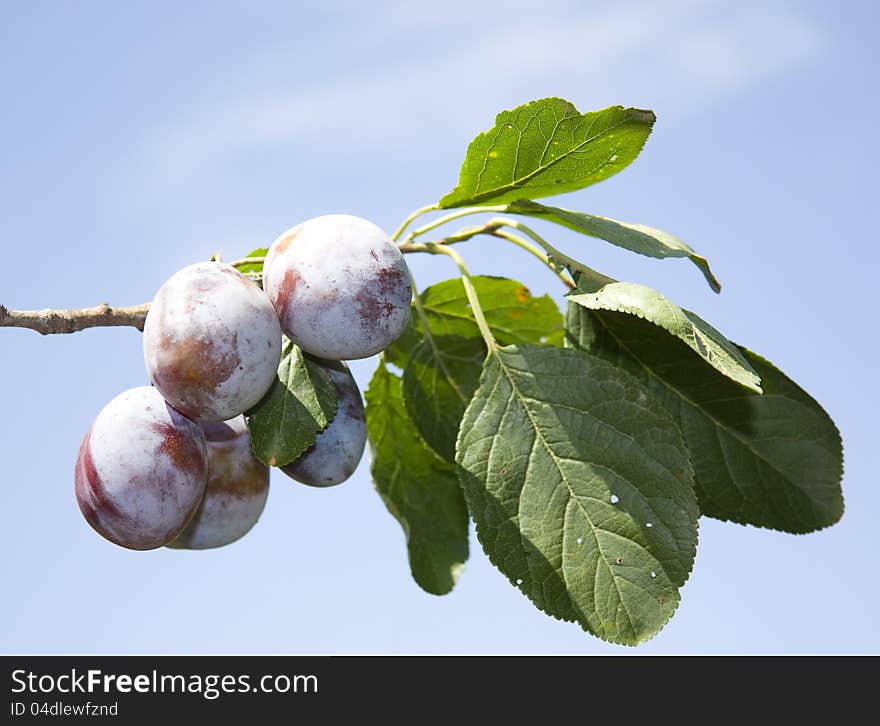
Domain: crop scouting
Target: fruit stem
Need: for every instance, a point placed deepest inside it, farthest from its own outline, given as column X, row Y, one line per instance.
column 248, row 261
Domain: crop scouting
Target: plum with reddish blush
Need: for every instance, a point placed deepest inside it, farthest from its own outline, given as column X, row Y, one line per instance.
column 141, row 470
column 337, row 449
column 238, row 485
column 340, row 286
column 212, row 342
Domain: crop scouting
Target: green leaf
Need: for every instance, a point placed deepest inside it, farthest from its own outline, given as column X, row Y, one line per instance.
column 399, row 351
column 299, row 405
column 442, row 369
column 440, row 377
column 643, row 302
column 254, row 269
column 548, row 147
column 418, row 487
column 513, row 314
column 773, row 460
column 581, row 490
column 637, row 238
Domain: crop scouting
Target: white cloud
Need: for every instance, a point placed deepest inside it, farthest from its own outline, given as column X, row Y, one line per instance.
column 471, row 59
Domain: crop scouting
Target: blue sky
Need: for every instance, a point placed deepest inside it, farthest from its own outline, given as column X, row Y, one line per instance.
column 139, row 137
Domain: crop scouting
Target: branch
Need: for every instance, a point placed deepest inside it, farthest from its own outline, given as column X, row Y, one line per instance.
column 48, row 322
column 51, row 322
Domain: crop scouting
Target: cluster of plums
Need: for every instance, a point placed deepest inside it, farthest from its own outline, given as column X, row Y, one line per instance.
column 171, row 464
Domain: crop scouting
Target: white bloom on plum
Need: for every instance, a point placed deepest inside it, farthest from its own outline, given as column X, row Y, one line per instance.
column 340, row 287
column 141, row 470
column 337, row 449
column 212, row 342
column 238, row 485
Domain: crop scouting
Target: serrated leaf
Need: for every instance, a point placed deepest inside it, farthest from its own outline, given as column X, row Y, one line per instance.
column 548, row 147
column 780, row 454
column 441, row 375
column 708, row 343
column 637, row 238
column 418, row 488
column 581, row 490
column 513, row 313
column 300, row 404
column 773, row 460
column 253, row 268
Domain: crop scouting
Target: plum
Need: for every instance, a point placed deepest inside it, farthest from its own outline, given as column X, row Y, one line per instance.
column 237, row 488
column 337, row 449
column 212, row 342
column 141, row 470
column 340, row 286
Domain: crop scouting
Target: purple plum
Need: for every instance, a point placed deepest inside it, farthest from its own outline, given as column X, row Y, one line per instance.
column 337, row 449
column 212, row 342
column 141, row 470
column 237, row 488
column 340, row 287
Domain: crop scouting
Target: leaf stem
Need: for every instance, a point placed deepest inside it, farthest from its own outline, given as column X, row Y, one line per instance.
column 426, row 329
column 434, row 248
column 417, row 213
column 492, row 228
column 587, row 275
column 533, row 250
column 458, row 214
column 420, row 308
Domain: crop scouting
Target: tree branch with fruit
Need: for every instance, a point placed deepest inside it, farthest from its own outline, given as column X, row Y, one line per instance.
column 585, row 445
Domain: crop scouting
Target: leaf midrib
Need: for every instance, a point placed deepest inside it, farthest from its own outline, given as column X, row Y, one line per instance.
column 572, row 496
column 277, row 436
column 698, row 335
column 517, row 184
column 708, row 415
column 494, row 326
column 442, row 365
column 666, row 250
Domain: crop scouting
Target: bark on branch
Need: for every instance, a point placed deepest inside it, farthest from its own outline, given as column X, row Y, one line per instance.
column 49, row 322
